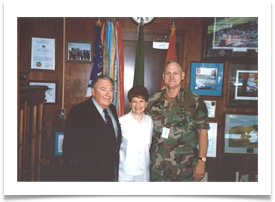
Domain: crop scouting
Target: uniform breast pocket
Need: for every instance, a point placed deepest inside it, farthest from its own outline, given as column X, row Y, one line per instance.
column 181, row 117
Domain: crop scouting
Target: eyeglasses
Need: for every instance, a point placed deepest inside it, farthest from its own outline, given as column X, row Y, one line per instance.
column 111, row 90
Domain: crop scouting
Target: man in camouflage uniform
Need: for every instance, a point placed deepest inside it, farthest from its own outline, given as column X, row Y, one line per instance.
column 180, row 124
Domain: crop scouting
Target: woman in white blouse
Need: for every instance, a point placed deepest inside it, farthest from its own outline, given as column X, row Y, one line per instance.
column 137, row 129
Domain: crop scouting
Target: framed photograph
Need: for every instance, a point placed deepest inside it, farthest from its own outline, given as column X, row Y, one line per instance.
column 246, row 87
column 246, row 177
column 50, row 93
column 211, row 108
column 241, row 134
column 243, row 86
column 79, row 51
column 206, row 78
column 59, row 136
column 42, row 53
column 230, row 37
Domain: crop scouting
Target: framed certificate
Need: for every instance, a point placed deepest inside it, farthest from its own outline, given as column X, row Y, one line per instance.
column 205, row 177
column 212, row 140
column 59, row 136
column 50, row 93
column 211, row 108
column 241, row 134
column 206, row 78
column 42, row 53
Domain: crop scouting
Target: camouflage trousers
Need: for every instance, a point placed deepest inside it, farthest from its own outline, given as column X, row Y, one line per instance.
column 155, row 177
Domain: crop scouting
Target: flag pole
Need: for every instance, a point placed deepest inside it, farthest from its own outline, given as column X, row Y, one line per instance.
column 171, row 52
column 139, row 61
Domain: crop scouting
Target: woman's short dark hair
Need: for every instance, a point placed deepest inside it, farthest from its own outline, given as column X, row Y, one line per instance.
column 138, row 91
column 103, row 77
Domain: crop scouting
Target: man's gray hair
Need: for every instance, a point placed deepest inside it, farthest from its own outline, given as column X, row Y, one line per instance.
column 171, row 61
column 103, row 77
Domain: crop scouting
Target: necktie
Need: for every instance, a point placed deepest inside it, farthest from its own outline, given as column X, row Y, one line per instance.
column 112, row 132
column 109, row 121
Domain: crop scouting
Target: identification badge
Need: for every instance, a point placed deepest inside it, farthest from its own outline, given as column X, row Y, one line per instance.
column 165, row 132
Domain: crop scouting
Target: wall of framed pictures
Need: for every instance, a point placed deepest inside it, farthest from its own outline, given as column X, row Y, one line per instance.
column 224, row 75
column 234, row 43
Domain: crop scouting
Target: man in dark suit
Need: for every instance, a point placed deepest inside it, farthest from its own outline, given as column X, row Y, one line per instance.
column 91, row 137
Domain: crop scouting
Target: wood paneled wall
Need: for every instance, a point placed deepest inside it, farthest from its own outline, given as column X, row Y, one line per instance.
column 76, row 77
column 52, row 28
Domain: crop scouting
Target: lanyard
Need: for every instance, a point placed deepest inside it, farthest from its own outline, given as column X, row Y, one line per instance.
column 166, row 114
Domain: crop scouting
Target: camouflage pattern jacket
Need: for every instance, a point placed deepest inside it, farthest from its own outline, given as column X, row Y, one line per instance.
column 177, row 154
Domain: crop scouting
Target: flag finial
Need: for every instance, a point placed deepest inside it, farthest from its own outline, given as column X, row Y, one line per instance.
column 98, row 23
column 173, row 21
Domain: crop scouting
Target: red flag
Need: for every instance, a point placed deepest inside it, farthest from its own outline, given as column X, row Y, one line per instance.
column 171, row 53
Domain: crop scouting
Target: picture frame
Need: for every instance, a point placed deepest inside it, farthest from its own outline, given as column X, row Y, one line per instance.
column 43, row 53
column 50, row 93
column 230, row 38
column 246, row 177
column 205, row 177
column 212, row 140
column 206, row 78
column 243, row 92
column 241, row 134
column 79, row 51
column 248, row 87
column 211, row 106
column 59, row 137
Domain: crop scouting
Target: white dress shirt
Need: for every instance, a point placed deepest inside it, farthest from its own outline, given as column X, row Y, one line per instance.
column 135, row 145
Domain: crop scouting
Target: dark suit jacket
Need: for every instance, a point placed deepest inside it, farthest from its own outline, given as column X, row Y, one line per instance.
column 91, row 153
